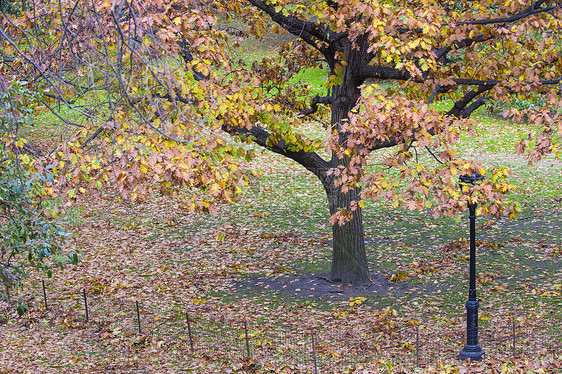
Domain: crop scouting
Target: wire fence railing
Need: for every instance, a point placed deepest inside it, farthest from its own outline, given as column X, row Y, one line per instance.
column 231, row 339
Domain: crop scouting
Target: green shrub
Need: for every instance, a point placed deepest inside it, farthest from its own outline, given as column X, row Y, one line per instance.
column 30, row 238
column 14, row 6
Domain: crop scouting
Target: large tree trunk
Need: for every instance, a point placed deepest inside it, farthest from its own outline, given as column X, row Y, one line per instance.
column 349, row 260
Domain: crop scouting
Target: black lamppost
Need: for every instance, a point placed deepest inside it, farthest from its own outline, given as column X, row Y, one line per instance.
column 471, row 349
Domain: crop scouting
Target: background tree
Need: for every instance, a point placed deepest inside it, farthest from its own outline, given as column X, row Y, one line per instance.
column 161, row 87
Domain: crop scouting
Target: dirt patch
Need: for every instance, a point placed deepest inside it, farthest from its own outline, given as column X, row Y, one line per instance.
column 318, row 286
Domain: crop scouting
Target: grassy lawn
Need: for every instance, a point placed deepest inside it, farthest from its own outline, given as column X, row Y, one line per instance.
column 220, row 268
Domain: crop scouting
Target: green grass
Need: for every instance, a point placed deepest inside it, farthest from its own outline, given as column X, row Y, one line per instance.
column 291, row 201
column 252, row 48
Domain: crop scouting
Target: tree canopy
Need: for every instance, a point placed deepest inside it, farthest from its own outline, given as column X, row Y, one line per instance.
column 150, row 97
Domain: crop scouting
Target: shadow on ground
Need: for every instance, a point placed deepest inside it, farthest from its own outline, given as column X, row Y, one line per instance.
column 316, row 286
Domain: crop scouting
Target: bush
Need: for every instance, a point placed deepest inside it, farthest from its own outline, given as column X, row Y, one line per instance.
column 30, row 238
column 13, row 6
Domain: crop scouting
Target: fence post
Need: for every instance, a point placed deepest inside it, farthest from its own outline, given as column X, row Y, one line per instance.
column 44, row 294
column 189, row 331
column 85, row 303
column 138, row 317
column 313, row 350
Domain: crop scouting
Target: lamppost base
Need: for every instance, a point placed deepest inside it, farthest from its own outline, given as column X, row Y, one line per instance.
column 474, row 352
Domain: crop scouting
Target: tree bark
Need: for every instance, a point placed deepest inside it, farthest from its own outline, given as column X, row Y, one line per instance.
column 349, row 260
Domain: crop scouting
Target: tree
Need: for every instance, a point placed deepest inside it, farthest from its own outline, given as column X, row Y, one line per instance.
column 171, row 90
column 470, row 51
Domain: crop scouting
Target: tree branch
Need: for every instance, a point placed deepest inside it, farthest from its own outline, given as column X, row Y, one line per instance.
column 310, row 160
column 185, row 52
column 314, row 104
column 460, row 109
column 383, row 72
column 466, row 112
column 313, row 34
column 380, row 144
column 291, row 23
column 527, row 12
column 442, row 52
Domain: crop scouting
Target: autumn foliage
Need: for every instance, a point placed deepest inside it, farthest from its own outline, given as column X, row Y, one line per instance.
column 153, row 100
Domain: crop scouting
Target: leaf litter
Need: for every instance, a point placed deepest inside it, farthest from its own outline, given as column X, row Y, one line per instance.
column 266, row 260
